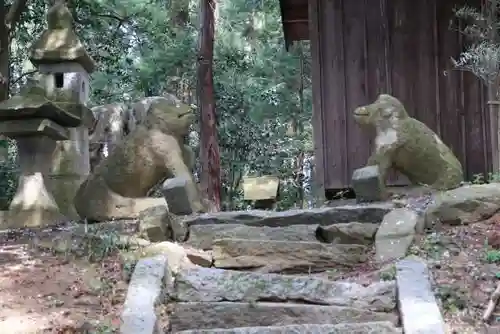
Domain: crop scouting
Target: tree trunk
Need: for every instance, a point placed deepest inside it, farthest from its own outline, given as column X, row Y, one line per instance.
column 209, row 147
column 4, row 53
column 9, row 18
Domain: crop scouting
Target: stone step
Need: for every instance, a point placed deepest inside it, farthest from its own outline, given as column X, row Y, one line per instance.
column 379, row 327
column 215, row 285
column 226, row 315
column 363, row 213
column 203, row 236
column 285, row 256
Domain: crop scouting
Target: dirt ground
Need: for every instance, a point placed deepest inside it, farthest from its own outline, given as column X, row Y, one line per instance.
column 44, row 293
column 464, row 263
column 465, row 267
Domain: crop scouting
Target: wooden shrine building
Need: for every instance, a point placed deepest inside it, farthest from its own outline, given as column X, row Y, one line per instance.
column 361, row 48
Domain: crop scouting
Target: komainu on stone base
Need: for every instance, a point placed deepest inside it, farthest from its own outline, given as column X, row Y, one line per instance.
column 408, row 146
column 153, row 151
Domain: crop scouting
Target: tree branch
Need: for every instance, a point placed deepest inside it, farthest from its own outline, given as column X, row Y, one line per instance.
column 22, row 76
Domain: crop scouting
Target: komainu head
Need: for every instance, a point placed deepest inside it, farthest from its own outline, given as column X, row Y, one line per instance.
column 386, row 108
column 170, row 115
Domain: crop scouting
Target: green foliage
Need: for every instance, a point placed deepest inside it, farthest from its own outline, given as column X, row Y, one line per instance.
column 480, row 27
column 146, row 48
column 9, row 174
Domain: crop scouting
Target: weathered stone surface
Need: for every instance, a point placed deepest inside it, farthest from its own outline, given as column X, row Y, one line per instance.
column 214, row 285
column 33, row 127
column 33, row 205
column 158, row 224
column 363, row 213
column 368, row 184
column 199, row 257
column 230, row 315
column 285, row 256
column 408, row 145
column 348, row 233
column 396, row 234
column 144, row 290
column 417, row 304
column 176, row 254
column 59, row 42
column 379, row 327
column 203, row 236
column 153, row 225
column 112, row 121
column 105, row 195
column 33, row 104
column 464, row 205
column 176, row 194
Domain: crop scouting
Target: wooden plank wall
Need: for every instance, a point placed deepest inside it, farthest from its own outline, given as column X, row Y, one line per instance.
column 362, row 48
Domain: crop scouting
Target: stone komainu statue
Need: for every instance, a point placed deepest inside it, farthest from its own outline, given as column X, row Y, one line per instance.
column 153, row 151
column 408, row 145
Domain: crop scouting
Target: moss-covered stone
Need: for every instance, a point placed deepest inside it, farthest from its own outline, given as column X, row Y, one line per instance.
column 59, row 42
column 408, row 146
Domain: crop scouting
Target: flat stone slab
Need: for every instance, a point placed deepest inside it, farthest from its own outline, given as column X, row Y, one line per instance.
column 203, row 236
column 215, row 285
column 227, row 315
column 144, row 290
column 285, row 256
column 36, row 106
column 396, row 234
column 363, row 213
column 33, row 127
column 379, row 327
column 417, row 305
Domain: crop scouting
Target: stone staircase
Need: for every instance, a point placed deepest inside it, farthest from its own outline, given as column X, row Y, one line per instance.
column 270, row 274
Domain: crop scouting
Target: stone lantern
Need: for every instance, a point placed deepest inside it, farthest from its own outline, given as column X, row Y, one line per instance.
column 65, row 65
column 50, row 123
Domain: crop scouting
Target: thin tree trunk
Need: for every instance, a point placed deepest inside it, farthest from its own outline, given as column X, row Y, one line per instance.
column 493, row 92
column 209, row 147
column 4, row 53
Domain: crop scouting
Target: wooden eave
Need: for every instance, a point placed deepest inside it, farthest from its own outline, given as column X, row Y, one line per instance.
column 295, row 19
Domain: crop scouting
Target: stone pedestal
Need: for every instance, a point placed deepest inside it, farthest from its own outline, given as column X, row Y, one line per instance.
column 33, row 205
column 70, row 166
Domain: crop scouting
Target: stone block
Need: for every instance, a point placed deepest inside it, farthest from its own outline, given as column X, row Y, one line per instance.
column 71, row 77
column 368, row 185
column 63, row 188
column 33, row 204
column 362, row 213
column 189, row 316
column 203, row 236
column 379, row 327
column 216, row 285
column 176, row 194
column 33, row 127
column 417, row 304
column 34, row 104
column 144, row 292
column 285, row 256
column 396, row 233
